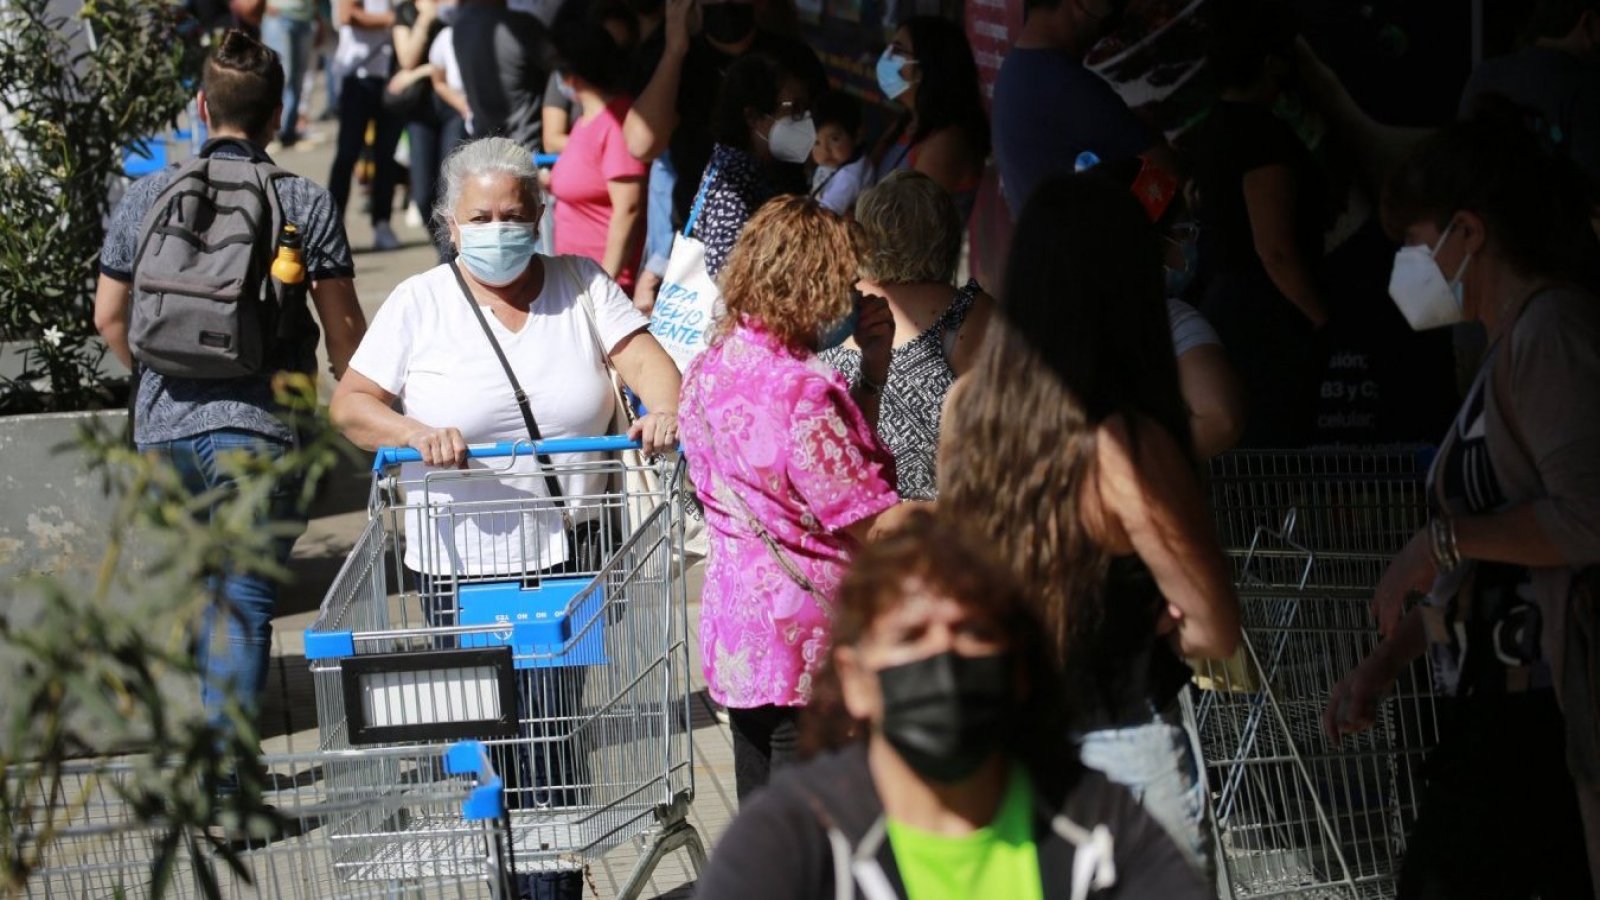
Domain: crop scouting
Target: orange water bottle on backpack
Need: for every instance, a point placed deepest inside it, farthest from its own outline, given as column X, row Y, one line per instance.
column 288, row 266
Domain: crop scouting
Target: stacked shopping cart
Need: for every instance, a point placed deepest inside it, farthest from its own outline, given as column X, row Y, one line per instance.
column 378, row 823
column 1296, row 813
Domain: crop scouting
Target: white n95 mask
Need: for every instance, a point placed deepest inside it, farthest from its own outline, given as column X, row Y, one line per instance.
column 1418, row 286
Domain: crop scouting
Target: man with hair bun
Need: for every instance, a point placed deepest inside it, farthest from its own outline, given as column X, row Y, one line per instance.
column 191, row 422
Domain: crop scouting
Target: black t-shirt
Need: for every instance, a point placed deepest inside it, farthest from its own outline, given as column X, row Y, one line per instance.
column 505, row 60
column 703, row 70
column 1270, row 342
column 1241, row 138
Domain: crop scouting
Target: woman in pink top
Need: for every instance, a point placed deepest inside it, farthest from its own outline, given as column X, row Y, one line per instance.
column 598, row 186
column 788, row 466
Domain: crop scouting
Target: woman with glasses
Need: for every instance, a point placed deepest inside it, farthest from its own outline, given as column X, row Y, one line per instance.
column 761, row 121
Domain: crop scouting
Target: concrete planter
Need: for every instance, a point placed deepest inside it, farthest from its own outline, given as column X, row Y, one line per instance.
column 54, row 523
column 53, row 514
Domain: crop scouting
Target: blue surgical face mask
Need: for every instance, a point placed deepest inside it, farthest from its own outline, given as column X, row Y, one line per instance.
column 1178, row 279
column 497, row 252
column 565, row 88
column 839, row 330
column 890, row 81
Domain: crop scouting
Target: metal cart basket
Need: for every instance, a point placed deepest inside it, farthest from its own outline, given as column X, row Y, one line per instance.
column 555, row 630
column 1297, row 814
column 430, row 826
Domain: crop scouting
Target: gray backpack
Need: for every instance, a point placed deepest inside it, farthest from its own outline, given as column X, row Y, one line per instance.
column 204, row 302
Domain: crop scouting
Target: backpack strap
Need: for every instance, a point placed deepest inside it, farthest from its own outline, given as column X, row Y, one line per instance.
column 699, row 200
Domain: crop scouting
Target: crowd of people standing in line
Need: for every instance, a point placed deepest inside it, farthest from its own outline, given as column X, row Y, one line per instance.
column 959, row 539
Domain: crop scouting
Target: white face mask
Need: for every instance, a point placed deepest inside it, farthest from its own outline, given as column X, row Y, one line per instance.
column 1418, row 286
column 791, row 139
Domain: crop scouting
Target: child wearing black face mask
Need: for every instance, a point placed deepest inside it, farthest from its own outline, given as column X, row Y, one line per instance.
column 941, row 769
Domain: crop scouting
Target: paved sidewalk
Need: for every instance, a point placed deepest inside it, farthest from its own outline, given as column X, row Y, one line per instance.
column 289, row 718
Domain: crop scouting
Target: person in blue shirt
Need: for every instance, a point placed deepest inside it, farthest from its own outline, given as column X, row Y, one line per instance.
column 1048, row 107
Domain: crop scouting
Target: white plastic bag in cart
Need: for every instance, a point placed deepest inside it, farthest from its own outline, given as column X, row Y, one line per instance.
column 688, row 302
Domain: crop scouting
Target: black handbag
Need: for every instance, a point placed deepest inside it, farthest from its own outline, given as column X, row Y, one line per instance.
column 413, row 104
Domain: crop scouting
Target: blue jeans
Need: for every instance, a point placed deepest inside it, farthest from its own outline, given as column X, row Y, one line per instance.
column 233, row 658
column 432, row 141
column 1159, row 763
column 291, row 40
column 658, row 214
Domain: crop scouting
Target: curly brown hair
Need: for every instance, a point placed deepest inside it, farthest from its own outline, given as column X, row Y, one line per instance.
column 792, row 271
column 944, row 556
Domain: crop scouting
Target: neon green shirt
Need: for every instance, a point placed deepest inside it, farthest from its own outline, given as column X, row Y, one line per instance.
column 998, row 860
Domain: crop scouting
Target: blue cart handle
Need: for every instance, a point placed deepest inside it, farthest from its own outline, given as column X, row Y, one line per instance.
column 393, row 456
column 487, row 799
column 542, row 160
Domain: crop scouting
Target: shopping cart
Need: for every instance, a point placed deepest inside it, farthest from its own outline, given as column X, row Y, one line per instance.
column 1355, row 508
column 554, row 631
column 1295, row 813
column 431, row 826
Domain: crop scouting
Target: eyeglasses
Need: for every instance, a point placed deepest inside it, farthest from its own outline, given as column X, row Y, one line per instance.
column 793, row 109
column 1182, row 233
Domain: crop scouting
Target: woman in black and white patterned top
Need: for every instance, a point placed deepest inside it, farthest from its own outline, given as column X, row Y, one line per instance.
column 762, row 126
column 913, row 232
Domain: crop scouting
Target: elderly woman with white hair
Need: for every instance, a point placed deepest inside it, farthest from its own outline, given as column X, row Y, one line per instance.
column 431, row 344
column 458, row 346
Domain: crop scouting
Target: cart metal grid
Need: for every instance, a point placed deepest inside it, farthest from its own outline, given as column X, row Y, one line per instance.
column 575, row 676
column 431, row 825
column 1295, row 813
column 1355, row 508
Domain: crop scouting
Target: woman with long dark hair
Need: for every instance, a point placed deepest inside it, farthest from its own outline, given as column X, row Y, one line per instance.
column 1069, row 444
column 944, row 769
column 598, row 186
column 762, row 124
column 928, row 70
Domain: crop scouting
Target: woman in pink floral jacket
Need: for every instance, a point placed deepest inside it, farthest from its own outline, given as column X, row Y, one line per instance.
column 788, row 466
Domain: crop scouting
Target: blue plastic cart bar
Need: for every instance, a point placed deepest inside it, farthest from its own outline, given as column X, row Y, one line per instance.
column 393, row 456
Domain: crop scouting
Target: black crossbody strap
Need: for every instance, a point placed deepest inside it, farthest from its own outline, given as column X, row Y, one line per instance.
column 550, row 482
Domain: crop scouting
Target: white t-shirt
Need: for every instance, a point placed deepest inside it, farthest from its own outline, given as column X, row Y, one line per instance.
column 838, row 188
column 442, row 55
column 365, row 52
column 426, row 346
